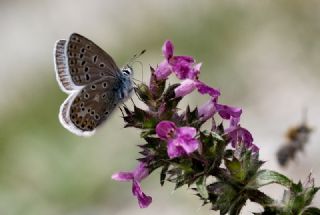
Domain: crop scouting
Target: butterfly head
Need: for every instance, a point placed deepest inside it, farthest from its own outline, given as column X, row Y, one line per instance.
column 127, row 71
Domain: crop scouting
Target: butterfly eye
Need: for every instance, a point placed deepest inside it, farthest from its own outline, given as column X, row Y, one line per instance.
column 126, row 72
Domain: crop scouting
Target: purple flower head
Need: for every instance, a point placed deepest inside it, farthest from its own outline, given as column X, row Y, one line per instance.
column 136, row 176
column 182, row 66
column 180, row 141
column 239, row 135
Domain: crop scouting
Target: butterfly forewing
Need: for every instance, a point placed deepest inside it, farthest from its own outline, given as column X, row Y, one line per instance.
column 79, row 62
column 90, row 107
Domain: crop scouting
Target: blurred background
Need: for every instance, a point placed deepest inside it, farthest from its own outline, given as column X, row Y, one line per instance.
column 263, row 55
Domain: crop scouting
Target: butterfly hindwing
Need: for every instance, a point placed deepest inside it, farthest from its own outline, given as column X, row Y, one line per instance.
column 86, row 110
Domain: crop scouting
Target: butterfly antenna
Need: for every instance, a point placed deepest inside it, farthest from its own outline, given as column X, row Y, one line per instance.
column 135, row 57
column 141, row 64
column 134, row 60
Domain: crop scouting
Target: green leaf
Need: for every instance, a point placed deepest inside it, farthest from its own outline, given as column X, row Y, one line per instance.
column 152, row 142
column 143, row 93
column 224, row 196
column 309, row 194
column 311, row 211
column 150, row 123
column 185, row 165
column 214, row 135
column 217, row 136
column 265, row 177
column 163, row 173
column 237, row 205
column 235, row 169
column 202, row 187
column 146, row 133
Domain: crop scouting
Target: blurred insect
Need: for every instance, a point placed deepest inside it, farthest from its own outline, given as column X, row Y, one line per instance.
column 94, row 82
column 297, row 137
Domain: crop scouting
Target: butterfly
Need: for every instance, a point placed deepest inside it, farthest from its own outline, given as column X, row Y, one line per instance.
column 94, row 82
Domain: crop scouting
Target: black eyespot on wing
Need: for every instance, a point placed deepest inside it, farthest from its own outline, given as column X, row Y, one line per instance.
column 95, row 58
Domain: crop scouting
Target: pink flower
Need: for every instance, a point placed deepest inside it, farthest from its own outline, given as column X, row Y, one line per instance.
column 240, row 135
column 182, row 66
column 181, row 141
column 136, row 176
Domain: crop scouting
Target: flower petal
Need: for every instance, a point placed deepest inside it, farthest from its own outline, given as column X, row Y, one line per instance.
column 165, row 129
column 226, row 112
column 167, row 49
column 186, row 87
column 234, row 121
column 174, row 148
column 122, row 176
column 182, row 59
column 182, row 69
column 163, row 70
column 207, row 110
column 190, row 146
column 194, row 72
column 254, row 148
column 143, row 200
column 240, row 135
column 205, row 89
column 140, row 172
column 186, row 132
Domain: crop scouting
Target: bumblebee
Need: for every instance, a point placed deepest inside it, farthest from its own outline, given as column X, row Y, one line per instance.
column 297, row 137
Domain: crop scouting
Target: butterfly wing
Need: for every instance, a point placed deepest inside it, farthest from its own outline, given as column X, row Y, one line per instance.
column 82, row 112
column 78, row 62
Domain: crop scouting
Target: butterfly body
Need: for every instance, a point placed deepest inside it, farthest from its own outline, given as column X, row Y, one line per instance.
column 93, row 81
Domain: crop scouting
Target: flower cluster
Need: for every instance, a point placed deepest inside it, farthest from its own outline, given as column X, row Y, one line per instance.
column 183, row 67
column 187, row 154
